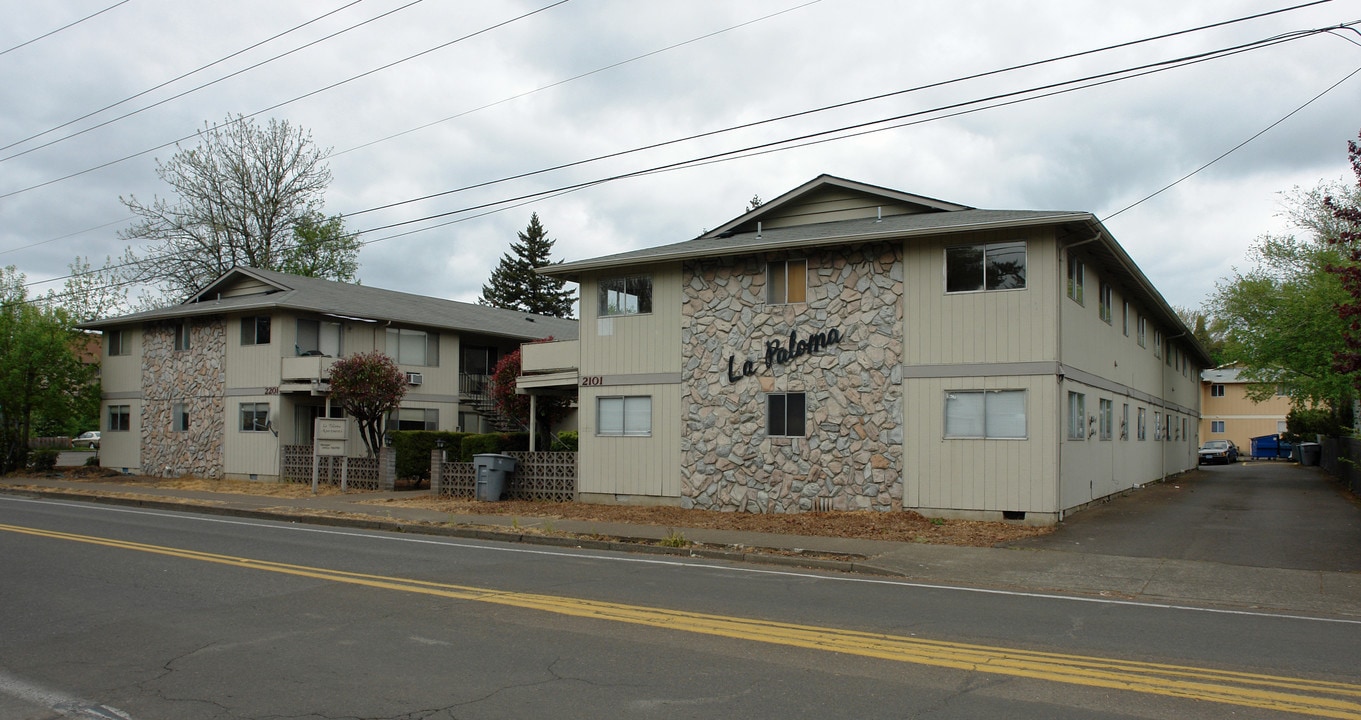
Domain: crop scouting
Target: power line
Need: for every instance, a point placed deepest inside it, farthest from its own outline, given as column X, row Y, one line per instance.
column 219, row 61
column 841, row 105
column 63, row 27
column 867, row 127
column 276, row 106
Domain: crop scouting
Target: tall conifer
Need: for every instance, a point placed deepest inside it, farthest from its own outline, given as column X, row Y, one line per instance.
column 515, row 286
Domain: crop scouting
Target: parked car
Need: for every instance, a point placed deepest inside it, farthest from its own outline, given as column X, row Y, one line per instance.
column 1218, row 451
column 86, row 439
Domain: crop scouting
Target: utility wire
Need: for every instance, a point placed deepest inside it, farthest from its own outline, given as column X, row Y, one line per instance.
column 838, row 106
column 242, row 118
column 63, row 27
column 864, row 128
column 219, row 61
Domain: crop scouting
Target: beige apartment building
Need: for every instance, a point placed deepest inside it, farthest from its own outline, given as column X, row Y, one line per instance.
column 217, row 385
column 848, row 346
column 1227, row 413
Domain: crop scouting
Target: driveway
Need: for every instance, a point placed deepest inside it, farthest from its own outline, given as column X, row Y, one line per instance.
column 1253, row 514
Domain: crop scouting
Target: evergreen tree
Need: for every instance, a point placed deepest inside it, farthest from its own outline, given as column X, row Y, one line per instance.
column 515, row 286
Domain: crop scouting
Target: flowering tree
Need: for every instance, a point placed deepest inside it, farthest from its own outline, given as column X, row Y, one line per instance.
column 368, row 386
column 550, row 408
column 1347, row 213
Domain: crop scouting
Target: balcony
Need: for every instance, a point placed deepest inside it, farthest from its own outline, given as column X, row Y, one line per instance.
column 309, row 373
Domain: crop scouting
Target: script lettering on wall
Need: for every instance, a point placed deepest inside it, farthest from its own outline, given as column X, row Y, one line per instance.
column 779, row 353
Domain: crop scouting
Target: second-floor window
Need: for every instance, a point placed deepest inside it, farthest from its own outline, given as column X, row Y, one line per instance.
column 117, row 342
column 1104, row 306
column 1077, row 278
column 786, row 282
column 1216, row 390
column 413, row 347
column 182, row 335
column 994, row 266
column 315, row 337
column 625, row 296
column 255, row 330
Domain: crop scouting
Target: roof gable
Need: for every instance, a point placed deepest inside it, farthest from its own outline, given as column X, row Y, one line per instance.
column 239, row 282
column 827, row 198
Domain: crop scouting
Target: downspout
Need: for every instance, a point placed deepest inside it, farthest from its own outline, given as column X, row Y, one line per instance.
column 1167, row 353
column 1060, row 401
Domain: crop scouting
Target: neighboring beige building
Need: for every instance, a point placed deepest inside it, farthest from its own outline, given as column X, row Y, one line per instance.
column 847, row 346
column 1227, row 413
column 216, row 385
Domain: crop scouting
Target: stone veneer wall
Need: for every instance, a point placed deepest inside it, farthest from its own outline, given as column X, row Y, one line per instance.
column 851, row 456
column 197, row 377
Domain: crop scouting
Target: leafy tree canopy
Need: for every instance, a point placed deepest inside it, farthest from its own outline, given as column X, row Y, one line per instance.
column 515, row 286
column 1279, row 317
column 368, row 386
column 549, row 409
column 247, row 195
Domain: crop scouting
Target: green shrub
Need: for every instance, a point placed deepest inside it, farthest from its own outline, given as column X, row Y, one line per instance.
column 92, row 461
column 413, row 449
column 492, row 443
column 566, row 442
column 44, row 459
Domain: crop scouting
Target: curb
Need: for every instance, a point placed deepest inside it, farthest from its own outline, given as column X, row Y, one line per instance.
column 614, row 543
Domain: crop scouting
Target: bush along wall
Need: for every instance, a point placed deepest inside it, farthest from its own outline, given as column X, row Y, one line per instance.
column 414, row 446
column 492, row 443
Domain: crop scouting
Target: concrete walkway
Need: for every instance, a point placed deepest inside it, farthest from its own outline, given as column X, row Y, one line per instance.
column 1103, row 552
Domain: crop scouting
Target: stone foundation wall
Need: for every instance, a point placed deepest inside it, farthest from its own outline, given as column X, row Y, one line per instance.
column 851, row 454
column 196, row 377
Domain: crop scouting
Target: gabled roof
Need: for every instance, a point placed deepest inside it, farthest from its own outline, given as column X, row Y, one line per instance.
column 881, row 215
column 242, row 290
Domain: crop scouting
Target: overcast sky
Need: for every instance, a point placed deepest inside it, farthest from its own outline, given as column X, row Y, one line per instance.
column 505, row 102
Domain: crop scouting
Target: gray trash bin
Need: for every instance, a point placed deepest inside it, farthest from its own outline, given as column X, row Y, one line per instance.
column 492, row 471
column 1310, row 453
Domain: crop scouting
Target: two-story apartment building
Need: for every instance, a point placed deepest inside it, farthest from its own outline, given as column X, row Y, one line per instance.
column 847, row 346
column 1227, row 413
column 215, row 386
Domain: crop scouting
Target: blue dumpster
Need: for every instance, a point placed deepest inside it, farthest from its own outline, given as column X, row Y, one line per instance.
column 492, row 471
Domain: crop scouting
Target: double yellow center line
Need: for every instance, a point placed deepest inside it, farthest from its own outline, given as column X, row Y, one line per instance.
column 1309, row 697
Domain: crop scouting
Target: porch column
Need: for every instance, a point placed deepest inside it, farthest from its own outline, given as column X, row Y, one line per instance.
column 533, row 415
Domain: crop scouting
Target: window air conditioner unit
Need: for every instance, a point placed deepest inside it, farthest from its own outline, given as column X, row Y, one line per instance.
column 414, row 378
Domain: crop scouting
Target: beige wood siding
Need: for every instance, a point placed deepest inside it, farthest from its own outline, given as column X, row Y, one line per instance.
column 247, row 286
column 631, row 466
column 830, row 205
column 978, row 327
column 979, row 475
column 633, row 344
column 256, row 366
column 121, row 450
column 123, row 373
column 250, row 453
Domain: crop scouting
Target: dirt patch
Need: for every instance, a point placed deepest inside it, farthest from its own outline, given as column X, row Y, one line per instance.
column 903, row 526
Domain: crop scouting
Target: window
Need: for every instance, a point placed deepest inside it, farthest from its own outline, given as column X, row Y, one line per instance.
column 624, row 415
column 1124, row 318
column 1104, row 307
column 120, row 418
column 182, row 335
column 625, row 296
column 255, row 417
column 1143, row 332
column 1157, row 343
column 1076, row 278
column 1106, row 419
column 1185, row 431
column 1280, row 426
column 784, row 415
column 1217, row 426
column 1077, row 416
column 315, row 337
column 413, row 347
column 1124, row 422
column 117, row 342
column 786, row 282
column 1143, row 424
column 995, row 266
column 414, row 419
column 255, row 330
column 1157, row 426
column 1216, row 390
column 179, row 417
column 985, row 414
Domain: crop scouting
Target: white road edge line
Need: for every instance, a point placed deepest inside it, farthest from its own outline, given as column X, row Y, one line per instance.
column 284, row 525
column 58, row 702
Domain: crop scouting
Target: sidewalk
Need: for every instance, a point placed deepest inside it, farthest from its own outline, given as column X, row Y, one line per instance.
column 1154, row 580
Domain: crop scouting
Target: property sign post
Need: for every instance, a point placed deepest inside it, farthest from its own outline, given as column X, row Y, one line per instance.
column 328, row 440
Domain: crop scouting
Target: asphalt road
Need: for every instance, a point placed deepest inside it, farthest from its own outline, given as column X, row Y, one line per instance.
column 119, row 612
column 1253, row 514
